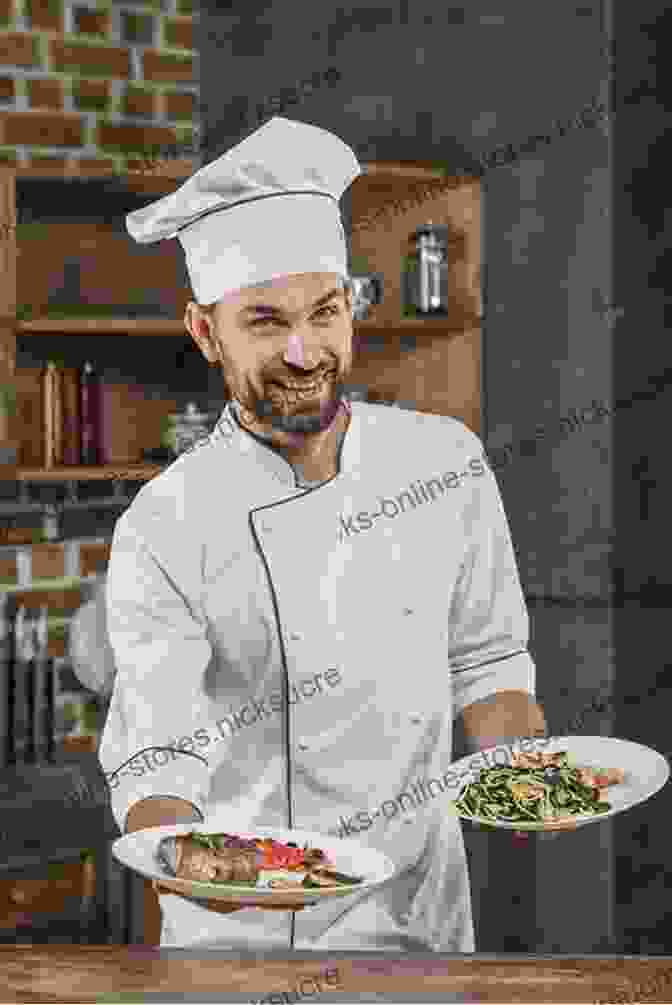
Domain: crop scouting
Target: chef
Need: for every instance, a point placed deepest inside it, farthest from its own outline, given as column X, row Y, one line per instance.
column 301, row 605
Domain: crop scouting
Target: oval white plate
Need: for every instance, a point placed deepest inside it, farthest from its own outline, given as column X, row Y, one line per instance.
column 137, row 851
column 646, row 771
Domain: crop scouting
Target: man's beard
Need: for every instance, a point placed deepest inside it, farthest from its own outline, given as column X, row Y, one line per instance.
column 284, row 409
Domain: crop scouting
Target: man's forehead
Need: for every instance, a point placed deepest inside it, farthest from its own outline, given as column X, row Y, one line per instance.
column 309, row 286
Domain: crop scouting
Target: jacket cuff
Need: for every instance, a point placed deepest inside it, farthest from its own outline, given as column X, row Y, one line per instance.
column 510, row 673
column 186, row 778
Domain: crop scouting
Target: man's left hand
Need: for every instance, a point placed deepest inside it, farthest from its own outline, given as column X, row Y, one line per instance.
column 551, row 830
column 499, row 719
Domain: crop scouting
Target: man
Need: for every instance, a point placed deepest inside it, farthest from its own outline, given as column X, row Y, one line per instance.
column 301, row 606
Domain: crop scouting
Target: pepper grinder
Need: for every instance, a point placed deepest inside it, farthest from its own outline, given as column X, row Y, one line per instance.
column 90, row 414
column 425, row 278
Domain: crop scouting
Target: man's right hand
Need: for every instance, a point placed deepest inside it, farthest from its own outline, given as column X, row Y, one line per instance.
column 221, row 907
column 168, row 812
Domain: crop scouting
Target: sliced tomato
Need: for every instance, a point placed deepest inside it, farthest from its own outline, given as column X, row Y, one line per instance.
column 278, row 856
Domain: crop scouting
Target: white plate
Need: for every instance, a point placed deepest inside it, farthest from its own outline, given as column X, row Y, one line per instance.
column 646, row 771
column 137, row 851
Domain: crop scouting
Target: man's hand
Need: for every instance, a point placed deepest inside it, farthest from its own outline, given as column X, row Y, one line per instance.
column 167, row 812
column 221, row 907
column 551, row 830
column 499, row 719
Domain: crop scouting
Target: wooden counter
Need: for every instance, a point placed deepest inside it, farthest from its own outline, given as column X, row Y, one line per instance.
column 103, row 973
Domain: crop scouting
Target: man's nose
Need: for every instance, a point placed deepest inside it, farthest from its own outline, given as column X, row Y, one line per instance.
column 298, row 354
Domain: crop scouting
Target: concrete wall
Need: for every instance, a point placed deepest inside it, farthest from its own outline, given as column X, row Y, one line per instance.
column 643, row 480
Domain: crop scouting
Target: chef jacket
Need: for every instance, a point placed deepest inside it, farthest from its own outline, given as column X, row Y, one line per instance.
column 305, row 652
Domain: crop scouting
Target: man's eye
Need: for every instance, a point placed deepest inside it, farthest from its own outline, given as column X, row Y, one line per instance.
column 331, row 308
column 263, row 321
column 258, row 322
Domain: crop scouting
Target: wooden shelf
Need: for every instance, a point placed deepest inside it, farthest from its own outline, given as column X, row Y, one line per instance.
column 102, row 326
column 148, row 326
column 434, row 362
column 104, row 472
column 421, row 325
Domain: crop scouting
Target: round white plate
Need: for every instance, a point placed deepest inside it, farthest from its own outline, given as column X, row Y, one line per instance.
column 137, row 851
column 646, row 771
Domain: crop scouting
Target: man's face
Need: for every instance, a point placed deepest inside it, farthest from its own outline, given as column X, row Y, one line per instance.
column 285, row 348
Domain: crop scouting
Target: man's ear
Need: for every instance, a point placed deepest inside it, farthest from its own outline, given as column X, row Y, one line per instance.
column 199, row 327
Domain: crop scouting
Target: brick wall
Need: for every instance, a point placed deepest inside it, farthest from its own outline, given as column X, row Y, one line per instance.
column 88, row 87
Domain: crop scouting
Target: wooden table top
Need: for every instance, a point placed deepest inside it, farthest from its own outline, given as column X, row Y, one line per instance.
column 61, row 973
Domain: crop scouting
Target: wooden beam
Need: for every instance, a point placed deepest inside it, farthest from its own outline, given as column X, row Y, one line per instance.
column 7, row 273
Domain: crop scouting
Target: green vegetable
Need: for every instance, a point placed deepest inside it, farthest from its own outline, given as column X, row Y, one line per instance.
column 209, row 841
column 491, row 797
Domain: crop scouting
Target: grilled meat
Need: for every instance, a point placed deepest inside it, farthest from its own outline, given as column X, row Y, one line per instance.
column 329, row 877
column 214, row 858
column 188, row 859
column 237, row 866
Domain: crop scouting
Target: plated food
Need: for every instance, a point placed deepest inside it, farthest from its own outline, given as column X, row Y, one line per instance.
column 538, row 787
column 556, row 782
column 266, row 867
column 255, row 862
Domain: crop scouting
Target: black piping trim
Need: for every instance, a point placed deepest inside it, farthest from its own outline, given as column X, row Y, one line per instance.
column 253, row 198
column 285, row 694
column 497, row 659
column 276, row 450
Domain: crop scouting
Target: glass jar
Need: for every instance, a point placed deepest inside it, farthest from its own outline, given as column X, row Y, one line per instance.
column 186, row 428
column 425, row 273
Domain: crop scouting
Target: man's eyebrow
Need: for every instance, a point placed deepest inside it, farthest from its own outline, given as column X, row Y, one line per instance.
column 267, row 309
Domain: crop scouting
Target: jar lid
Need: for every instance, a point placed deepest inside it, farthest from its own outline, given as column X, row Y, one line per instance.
column 428, row 229
column 190, row 414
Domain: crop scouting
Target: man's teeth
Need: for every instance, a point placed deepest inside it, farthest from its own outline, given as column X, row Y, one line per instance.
column 302, row 390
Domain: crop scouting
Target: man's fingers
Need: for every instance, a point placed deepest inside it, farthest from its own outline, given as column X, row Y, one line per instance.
column 222, row 907
column 216, row 905
column 280, row 907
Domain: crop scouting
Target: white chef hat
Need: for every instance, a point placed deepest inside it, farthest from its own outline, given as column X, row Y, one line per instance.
column 265, row 209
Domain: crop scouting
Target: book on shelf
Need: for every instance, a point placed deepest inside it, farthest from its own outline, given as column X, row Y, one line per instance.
column 71, row 415
column 52, row 404
column 123, row 422
column 89, row 401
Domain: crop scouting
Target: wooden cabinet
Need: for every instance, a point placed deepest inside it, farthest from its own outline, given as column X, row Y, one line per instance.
column 61, row 890
column 429, row 364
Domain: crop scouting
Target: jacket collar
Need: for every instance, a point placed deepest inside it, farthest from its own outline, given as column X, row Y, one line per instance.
column 247, row 444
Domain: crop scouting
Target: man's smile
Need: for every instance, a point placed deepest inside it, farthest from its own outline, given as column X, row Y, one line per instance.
column 295, row 390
